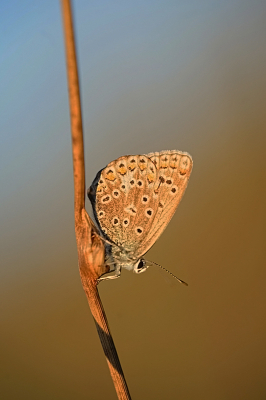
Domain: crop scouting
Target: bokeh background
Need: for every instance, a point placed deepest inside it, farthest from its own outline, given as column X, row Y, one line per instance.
column 172, row 74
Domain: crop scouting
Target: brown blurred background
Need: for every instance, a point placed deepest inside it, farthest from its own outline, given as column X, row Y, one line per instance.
column 186, row 75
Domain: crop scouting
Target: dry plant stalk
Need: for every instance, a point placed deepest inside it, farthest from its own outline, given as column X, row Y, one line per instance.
column 91, row 251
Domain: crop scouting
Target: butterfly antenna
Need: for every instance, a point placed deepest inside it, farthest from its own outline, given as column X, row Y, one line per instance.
column 179, row 280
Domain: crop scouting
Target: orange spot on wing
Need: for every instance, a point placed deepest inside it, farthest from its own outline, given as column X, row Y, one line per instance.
column 173, row 164
column 150, row 178
column 122, row 169
column 110, row 176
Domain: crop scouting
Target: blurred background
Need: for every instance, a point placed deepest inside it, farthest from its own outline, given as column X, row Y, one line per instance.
column 154, row 75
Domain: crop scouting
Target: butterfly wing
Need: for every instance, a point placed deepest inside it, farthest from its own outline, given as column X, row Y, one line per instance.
column 135, row 197
column 173, row 172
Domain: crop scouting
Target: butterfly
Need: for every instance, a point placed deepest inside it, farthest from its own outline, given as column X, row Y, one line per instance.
column 133, row 199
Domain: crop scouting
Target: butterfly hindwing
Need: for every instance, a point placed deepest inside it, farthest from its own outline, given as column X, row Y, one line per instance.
column 123, row 199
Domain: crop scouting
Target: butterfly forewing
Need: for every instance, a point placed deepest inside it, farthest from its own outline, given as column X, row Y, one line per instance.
column 173, row 172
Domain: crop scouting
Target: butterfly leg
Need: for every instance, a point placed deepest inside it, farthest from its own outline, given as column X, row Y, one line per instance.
column 116, row 275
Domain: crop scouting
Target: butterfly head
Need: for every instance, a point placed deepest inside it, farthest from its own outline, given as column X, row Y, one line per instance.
column 137, row 267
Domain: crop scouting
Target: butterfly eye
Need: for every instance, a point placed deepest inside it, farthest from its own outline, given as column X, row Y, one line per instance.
column 140, row 266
